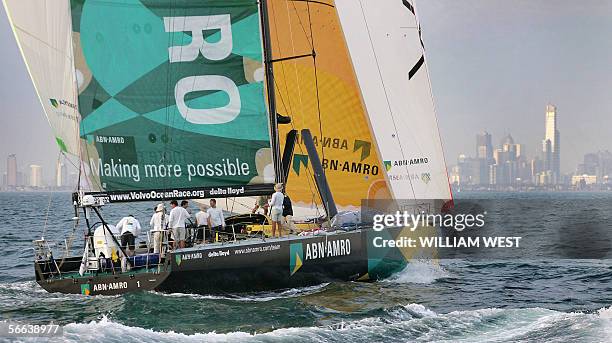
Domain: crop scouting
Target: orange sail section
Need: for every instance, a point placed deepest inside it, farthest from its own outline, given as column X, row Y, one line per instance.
column 321, row 93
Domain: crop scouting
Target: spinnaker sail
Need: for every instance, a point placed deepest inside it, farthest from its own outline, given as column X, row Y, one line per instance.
column 172, row 98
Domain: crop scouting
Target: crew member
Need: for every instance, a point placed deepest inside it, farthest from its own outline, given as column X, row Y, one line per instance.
column 288, row 214
column 216, row 220
column 130, row 229
column 158, row 225
column 202, row 223
column 178, row 215
column 261, row 202
column 185, row 205
column 276, row 209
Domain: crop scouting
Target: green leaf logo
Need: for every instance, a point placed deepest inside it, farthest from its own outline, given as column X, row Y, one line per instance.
column 299, row 160
column 387, row 165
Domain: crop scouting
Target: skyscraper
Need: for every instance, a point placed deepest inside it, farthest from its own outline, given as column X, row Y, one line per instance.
column 552, row 157
column 61, row 175
column 484, row 157
column 35, row 175
column 11, row 171
column 484, row 147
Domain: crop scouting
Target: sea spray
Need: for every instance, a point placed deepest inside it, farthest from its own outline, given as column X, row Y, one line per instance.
column 420, row 271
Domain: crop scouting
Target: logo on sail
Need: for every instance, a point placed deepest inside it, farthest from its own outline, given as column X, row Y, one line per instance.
column 298, row 161
column 296, row 256
column 178, row 259
column 388, row 165
column 56, row 103
column 426, row 177
column 365, row 148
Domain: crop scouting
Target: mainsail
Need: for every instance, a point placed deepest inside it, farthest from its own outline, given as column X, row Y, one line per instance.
column 384, row 40
column 317, row 88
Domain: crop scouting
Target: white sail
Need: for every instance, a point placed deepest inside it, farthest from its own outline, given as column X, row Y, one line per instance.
column 44, row 34
column 385, row 45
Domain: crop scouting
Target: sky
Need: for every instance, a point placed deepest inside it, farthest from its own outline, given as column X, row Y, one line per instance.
column 494, row 66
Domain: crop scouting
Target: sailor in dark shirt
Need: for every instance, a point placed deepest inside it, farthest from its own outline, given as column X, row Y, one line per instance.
column 288, row 215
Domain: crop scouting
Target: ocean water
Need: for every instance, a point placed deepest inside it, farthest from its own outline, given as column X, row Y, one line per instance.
column 530, row 299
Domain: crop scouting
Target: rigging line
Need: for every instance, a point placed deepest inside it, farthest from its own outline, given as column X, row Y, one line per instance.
column 314, row 61
column 308, row 171
column 310, row 176
column 44, row 230
column 386, row 94
column 165, row 138
column 314, row 2
column 295, row 68
column 310, row 42
column 282, row 65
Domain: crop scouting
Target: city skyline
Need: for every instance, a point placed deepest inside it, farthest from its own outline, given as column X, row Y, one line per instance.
column 493, row 65
column 509, row 168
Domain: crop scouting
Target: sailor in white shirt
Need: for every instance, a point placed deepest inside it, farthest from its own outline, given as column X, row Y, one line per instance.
column 276, row 209
column 202, row 222
column 158, row 223
column 216, row 220
column 176, row 221
column 130, row 229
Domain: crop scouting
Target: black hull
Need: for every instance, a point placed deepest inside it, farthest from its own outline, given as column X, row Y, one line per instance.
column 105, row 285
column 244, row 266
column 67, row 280
column 278, row 264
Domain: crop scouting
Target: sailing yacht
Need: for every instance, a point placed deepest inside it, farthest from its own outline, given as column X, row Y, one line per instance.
column 161, row 100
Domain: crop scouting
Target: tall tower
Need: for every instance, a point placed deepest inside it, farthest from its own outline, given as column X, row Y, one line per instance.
column 484, row 156
column 553, row 156
column 11, row 171
column 484, row 147
column 61, row 175
column 35, row 176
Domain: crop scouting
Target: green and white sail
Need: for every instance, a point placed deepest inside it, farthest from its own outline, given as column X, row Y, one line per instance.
column 168, row 95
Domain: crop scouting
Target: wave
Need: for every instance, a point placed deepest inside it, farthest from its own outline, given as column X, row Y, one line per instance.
column 417, row 271
column 254, row 297
column 412, row 322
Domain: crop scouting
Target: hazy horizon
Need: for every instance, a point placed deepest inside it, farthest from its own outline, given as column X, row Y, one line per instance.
column 494, row 66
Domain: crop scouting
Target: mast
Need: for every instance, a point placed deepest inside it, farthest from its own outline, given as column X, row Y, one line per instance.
column 269, row 70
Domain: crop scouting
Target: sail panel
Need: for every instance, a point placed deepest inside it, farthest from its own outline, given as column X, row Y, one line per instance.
column 43, row 32
column 172, row 97
column 387, row 51
column 323, row 98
